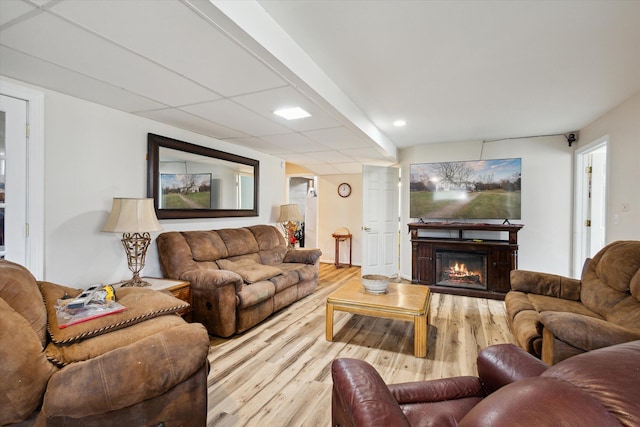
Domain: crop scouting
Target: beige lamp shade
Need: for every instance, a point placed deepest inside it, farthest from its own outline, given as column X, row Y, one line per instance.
column 289, row 213
column 132, row 216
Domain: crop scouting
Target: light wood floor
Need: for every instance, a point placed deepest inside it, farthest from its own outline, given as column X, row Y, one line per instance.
column 278, row 373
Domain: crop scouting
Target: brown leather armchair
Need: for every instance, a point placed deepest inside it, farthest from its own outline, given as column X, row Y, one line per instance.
column 513, row 388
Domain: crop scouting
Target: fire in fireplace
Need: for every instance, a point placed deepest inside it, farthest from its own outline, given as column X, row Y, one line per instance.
column 461, row 269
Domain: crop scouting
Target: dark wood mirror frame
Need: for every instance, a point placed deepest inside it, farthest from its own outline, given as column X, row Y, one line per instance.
column 156, row 142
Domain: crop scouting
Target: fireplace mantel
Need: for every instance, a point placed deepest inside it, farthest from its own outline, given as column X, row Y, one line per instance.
column 498, row 241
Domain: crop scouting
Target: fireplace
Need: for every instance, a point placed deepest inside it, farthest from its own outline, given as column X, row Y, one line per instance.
column 461, row 269
column 491, row 250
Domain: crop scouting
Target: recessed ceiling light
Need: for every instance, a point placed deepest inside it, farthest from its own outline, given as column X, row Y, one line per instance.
column 399, row 123
column 292, row 113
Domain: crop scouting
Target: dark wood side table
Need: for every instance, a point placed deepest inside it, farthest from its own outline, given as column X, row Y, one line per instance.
column 342, row 238
column 180, row 289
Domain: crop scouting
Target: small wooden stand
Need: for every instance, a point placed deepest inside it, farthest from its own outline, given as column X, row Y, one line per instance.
column 340, row 238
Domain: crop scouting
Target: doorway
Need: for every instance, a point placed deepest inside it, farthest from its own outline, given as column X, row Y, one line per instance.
column 302, row 191
column 590, row 220
column 29, row 223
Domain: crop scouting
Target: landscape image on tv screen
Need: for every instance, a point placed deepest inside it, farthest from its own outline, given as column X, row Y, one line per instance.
column 483, row 189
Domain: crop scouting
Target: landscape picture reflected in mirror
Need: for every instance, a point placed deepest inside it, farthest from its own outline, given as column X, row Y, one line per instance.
column 185, row 191
column 483, row 189
column 192, row 181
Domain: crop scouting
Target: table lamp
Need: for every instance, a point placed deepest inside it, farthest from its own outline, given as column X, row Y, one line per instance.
column 135, row 218
column 289, row 219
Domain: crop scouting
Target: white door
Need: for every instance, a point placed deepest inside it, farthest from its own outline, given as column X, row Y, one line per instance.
column 13, row 179
column 380, row 220
column 598, row 202
column 590, row 202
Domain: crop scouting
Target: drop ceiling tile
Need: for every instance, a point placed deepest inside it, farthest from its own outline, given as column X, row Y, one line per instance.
column 10, row 10
column 337, row 138
column 26, row 68
column 188, row 121
column 349, row 168
column 257, row 144
column 365, row 155
column 68, row 46
column 330, row 157
column 298, row 158
column 235, row 116
column 323, row 169
column 172, row 34
column 295, row 142
column 268, row 101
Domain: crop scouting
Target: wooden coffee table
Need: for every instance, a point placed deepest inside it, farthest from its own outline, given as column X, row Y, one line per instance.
column 401, row 302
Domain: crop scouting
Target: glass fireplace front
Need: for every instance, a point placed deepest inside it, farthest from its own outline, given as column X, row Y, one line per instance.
column 461, row 269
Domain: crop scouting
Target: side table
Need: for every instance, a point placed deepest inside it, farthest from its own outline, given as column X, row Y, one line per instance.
column 342, row 238
column 180, row 289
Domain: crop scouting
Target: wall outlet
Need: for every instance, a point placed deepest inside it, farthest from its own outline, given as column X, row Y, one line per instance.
column 616, row 219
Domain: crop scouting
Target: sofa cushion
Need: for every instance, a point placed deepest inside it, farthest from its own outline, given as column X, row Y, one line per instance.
column 303, row 256
column 305, row 271
column 610, row 275
column 273, row 256
column 268, row 237
column 63, row 354
column 609, row 385
column 254, row 294
column 618, row 264
column 19, row 289
column 141, row 304
column 239, row 241
column 626, row 313
column 124, row 377
column 205, row 245
column 545, row 303
column 24, row 369
column 285, row 280
column 249, row 270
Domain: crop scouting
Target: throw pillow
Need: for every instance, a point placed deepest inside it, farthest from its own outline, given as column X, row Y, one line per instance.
column 141, row 304
column 89, row 348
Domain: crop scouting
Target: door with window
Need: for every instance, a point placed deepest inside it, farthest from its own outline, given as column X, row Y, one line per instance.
column 13, row 179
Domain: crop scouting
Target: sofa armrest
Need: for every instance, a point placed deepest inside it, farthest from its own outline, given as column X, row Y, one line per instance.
column 438, row 390
column 502, row 364
column 207, row 279
column 128, row 375
column 361, row 398
column 302, row 256
column 584, row 332
column 546, row 284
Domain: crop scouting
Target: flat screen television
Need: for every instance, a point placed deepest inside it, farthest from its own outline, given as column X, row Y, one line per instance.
column 483, row 189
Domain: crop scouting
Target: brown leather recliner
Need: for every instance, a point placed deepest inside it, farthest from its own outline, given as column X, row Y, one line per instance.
column 513, row 388
column 555, row 317
column 144, row 366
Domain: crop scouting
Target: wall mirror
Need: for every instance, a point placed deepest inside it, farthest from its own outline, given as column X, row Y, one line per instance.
column 192, row 181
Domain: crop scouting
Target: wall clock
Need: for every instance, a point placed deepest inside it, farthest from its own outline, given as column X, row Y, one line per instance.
column 344, row 189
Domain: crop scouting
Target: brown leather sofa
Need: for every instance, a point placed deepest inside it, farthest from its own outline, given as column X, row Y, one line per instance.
column 513, row 388
column 238, row 276
column 555, row 317
column 145, row 366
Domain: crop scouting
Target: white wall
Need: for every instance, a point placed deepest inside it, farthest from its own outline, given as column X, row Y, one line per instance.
column 94, row 153
column 545, row 240
column 622, row 125
column 335, row 212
